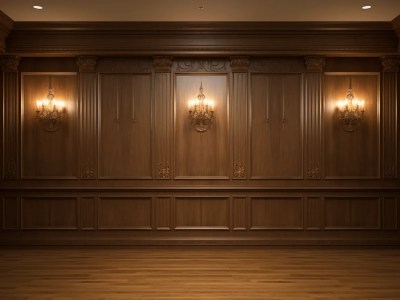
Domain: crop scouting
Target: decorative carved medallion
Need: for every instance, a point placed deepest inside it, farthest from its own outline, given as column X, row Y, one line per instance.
column 87, row 171
column 315, row 63
column 313, row 170
column 240, row 63
column 87, row 63
column 201, row 66
column 390, row 170
column 163, row 170
column 162, row 63
column 10, row 63
column 239, row 170
column 390, row 63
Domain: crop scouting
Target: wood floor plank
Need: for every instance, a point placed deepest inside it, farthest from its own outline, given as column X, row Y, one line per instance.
column 199, row 273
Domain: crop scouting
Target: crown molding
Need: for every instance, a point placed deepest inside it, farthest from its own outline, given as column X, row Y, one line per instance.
column 396, row 27
column 202, row 38
column 6, row 24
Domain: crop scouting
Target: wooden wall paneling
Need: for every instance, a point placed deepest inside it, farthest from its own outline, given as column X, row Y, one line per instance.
column 277, row 213
column 163, row 121
column 351, row 155
column 276, row 126
column 352, row 213
column 10, row 116
column 163, row 213
column 315, row 213
column 389, row 213
column 239, row 213
column 10, row 212
column 88, row 116
column 239, row 111
column 49, row 213
column 88, row 213
column 49, row 155
column 313, row 101
column 389, row 116
column 125, row 213
column 201, row 154
column 125, row 123
column 201, row 213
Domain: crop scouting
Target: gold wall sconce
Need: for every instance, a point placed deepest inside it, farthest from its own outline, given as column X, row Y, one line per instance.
column 49, row 111
column 351, row 111
column 201, row 111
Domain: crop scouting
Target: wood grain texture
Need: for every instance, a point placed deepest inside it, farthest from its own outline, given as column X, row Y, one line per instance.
column 49, row 155
column 10, row 213
column 276, row 126
column 125, row 126
column 228, row 273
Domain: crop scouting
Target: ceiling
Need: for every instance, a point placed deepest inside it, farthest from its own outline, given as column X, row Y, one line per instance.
column 201, row 10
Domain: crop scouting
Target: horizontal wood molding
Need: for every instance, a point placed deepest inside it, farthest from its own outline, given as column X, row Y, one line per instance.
column 193, row 38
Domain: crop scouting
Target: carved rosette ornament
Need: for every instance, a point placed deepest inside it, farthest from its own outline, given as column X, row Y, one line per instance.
column 10, row 63
column 239, row 170
column 162, row 63
column 390, row 63
column 163, row 170
column 314, row 63
column 86, row 63
column 87, row 171
column 390, row 170
column 313, row 170
column 240, row 63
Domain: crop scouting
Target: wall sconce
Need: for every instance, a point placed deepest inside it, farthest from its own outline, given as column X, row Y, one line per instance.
column 49, row 111
column 351, row 111
column 201, row 111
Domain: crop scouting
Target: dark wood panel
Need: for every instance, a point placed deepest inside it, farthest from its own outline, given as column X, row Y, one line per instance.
column 276, row 213
column 88, row 213
column 239, row 213
column 202, row 213
column 390, row 216
column 49, row 154
column 10, row 213
column 125, row 126
column 49, row 213
column 201, row 154
column 133, row 213
column 315, row 213
column 351, row 154
column 352, row 213
column 163, row 213
column 276, row 126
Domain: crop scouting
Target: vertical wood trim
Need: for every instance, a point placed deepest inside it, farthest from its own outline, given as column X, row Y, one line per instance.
column 389, row 123
column 10, row 116
column 88, row 116
column 313, row 125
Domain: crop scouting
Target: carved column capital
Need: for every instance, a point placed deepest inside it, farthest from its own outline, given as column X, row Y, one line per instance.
column 314, row 63
column 240, row 63
column 390, row 63
column 162, row 63
column 86, row 63
column 10, row 63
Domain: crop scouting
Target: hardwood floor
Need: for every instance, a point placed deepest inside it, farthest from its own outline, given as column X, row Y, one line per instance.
column 199, row 273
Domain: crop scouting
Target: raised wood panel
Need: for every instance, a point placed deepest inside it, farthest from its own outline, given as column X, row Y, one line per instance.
column 10, row 213
column 163, row 213
column 239, row 213
column 276, row 126
column 125, row 126
column 125, row 213
column 49, row 154
column 351, row 154
column 201, row 154
column 315, row 213
column 276, row 213
column 352, row 213
column 49, row 213
column 210, row 213
column 390, row 214
column 88, row 213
